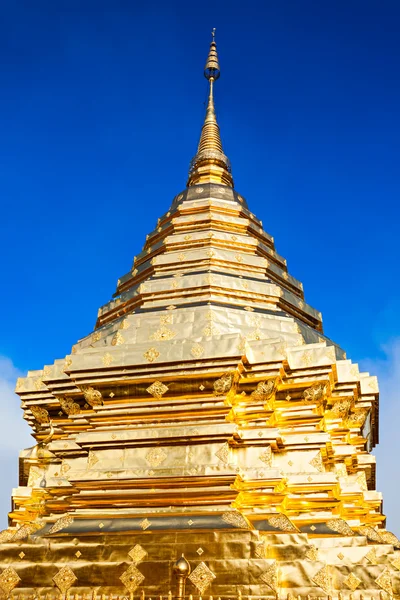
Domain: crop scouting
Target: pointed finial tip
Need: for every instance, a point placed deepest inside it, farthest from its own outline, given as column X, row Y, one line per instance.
column 211, row 70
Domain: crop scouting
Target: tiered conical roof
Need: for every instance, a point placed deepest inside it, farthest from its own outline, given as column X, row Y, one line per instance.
column 206, row 413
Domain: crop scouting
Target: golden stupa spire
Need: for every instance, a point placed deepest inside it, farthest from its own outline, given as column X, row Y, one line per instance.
column 210, row 165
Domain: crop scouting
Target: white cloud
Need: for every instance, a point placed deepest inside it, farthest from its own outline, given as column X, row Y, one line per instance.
column 14, row 435
column 388, row 451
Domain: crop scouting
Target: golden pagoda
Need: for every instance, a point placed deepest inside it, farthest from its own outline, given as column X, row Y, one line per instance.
column 206, row 439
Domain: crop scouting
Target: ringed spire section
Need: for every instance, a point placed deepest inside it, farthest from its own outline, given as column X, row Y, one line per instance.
column 210, row 164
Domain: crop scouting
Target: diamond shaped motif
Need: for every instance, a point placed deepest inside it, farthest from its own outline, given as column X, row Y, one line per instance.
column 78, row 554
column 9, row 579
column 21, row 555
column 340, row 556
column 372, row 558
column 157, row 389
column 156, row 456
column 137, row 553
column 151, row 354
column 132, row 578
column 223, row 454
column 266, row 456
column 323, row 580
column 197, row 351
column 312, row 553
column 352, row 582
column 145, row 524
column 202, row 577
column 385, row 581
column 199, row 551
column 64, row 579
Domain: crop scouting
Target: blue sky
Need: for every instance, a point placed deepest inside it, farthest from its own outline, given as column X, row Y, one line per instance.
column 101, row 109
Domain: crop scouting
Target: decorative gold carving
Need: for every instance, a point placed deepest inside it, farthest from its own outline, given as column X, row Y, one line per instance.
column 235, row 519
column 201, row 577
column 157, row 389
column 307, row 358
column 21, row 555
column 156, row 456
column 210, row 330
column 390, row 538
column 312, row 553
column 341, row 408
column 61, row 523
column 282, row 522
column 25, row 530
column 266, row 456
column 340, row 556
column 254, row 335
column 64, row 579
column 356, row 419
column 223, row 384
column 314, row 393
column 137, row 554
column 167, row 319
column 395, row 563
column 92, row 459
column 223, row 453
column 163, row 334
column 197, row 351
column 264, row 390
column 352, row 582
column 200, row 551
column 340, row 526
column 93, row 397
column 323, row 580
column 38, row 384
column 370, row 533
column 132, row 578
column 270, row 577
column 9, row 579
column 118, row 339
column 41, row 415
column 145, row 524
column 151, row 354
column 371, row 557
column 69, row 406
column 385, row 582
column 107, row 359
column 317, row 462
